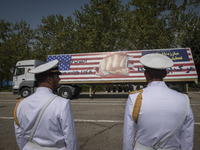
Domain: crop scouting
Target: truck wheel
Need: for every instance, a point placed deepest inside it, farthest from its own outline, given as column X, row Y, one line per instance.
column 66, row 93
column 25, row 92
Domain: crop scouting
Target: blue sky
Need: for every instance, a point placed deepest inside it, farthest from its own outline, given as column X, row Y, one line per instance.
column 32, row 11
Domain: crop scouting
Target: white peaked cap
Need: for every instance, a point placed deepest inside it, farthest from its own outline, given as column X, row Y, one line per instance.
column 45, row 67
column 156, row 61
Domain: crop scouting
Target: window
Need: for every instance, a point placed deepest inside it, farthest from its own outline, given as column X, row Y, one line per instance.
column 20, row 71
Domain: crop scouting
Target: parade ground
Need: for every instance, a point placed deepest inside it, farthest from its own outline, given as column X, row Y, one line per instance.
column 98, row 121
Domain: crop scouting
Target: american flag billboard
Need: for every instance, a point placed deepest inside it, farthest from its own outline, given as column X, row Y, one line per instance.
column 121, row 66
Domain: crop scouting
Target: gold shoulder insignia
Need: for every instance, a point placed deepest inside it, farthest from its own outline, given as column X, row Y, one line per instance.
column 15, row 111
column 137, row 106
column 132, row 92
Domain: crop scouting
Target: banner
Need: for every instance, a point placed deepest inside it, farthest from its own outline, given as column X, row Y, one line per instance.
column 122, row 65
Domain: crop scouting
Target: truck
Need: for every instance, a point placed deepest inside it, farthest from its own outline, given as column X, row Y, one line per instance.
column 106, row 68
column 23, row 81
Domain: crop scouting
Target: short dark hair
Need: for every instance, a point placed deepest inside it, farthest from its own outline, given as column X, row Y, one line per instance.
column 42, row 77
column 156, row 73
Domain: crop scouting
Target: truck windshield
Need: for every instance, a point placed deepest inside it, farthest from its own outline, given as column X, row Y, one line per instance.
column 19, row 71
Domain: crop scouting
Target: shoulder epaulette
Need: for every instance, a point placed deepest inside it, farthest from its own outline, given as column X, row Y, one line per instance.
column 15, row 111
column 132, row 92
column 137, row 106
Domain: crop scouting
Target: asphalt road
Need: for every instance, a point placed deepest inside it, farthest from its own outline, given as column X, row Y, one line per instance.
column 98, row 121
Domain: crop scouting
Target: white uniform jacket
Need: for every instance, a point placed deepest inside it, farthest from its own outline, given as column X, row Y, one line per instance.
column 161, row 111
column 56, row 126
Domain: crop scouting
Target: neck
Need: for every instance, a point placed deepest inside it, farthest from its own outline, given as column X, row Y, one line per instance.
column 44, row 84
column 151, row 80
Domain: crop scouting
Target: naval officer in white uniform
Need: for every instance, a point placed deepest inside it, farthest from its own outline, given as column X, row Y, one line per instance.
column 157, row 118
column 55, row 128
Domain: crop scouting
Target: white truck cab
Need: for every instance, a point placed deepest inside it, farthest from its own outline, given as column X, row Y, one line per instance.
column 23, row 81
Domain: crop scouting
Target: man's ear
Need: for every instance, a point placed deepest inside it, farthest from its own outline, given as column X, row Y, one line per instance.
column 164, row 75
column 49, row 79
column 145, row 74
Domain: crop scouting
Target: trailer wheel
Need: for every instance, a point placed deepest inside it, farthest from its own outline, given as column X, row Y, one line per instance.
column 66, row 93
column 25, row 92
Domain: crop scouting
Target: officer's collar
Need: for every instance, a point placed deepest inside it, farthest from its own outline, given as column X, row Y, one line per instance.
column 157, row 83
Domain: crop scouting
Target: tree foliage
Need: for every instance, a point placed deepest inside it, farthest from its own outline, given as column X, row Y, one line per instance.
column 55, row 36
column 15, row 44
column 148, row 24
column 99, row 26
column 191, row 39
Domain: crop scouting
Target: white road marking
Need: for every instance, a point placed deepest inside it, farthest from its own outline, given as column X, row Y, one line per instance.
column 89, row 121
column 7, row 118
column 100, row 101
column 89, row 103
column 86, row 102
column 100, row 121
column 98, row 104
column 78, row 120
column 8, row 100
column 112, row 103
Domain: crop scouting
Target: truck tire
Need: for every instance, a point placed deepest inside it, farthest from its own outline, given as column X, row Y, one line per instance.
column 25, row 92
column 66, row 93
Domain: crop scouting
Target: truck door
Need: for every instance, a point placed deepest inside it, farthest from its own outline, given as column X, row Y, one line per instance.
column 19, row 76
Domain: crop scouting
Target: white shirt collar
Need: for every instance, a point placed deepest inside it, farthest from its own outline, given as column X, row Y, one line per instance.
column 44, row 89
column 157, row 83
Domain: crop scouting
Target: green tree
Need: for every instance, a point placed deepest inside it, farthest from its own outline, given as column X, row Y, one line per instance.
column 55, row 36
column 5, row 30
column 158, row 24
column 99, row 26
column 186, row 24
column 148, row 26
column 191, row 39
column 15, row 44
